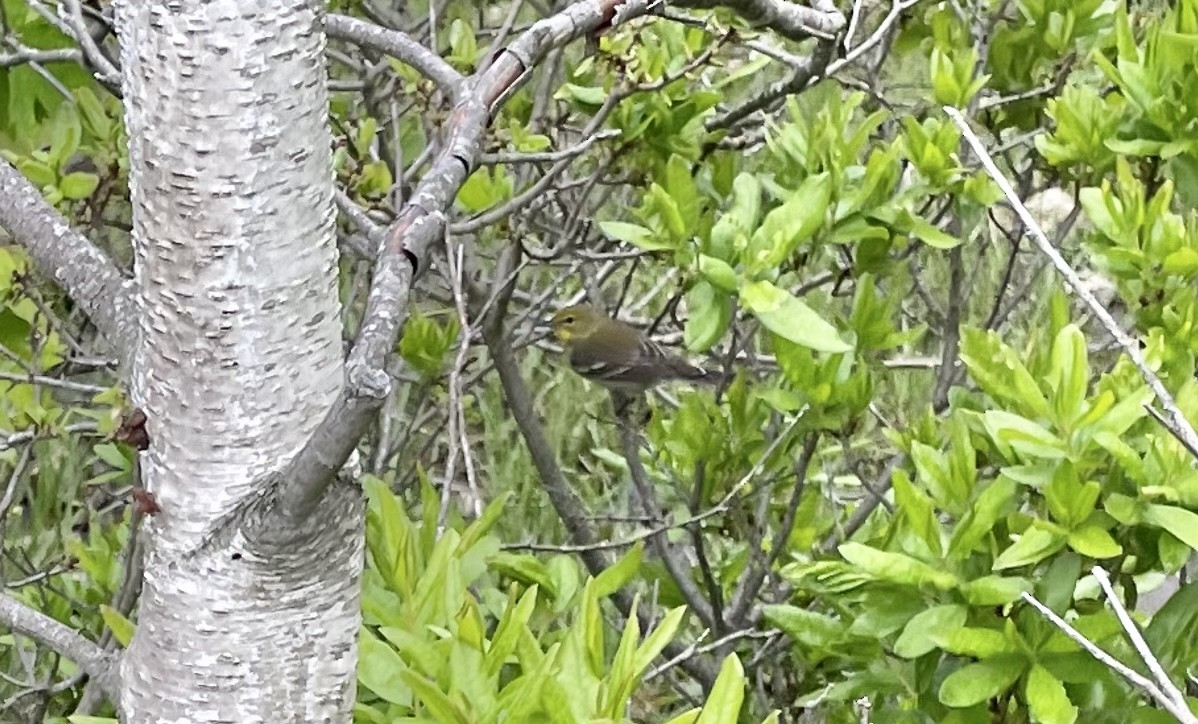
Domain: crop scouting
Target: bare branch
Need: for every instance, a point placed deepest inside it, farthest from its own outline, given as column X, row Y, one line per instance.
column 105, row 71
column 676, row 563
column 1180, row 427
column 788, row 19
column 400, row 46
column 1132, row 676
column 74, row 263
column 35, row 55
column 750, row 583
column 62, row 639
column 1137, row 640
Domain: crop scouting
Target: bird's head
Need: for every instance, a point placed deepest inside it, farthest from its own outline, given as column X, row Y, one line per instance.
column 575, row 323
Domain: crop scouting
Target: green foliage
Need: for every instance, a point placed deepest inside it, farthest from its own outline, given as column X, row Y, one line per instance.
column 842, row 256
column 457, row 631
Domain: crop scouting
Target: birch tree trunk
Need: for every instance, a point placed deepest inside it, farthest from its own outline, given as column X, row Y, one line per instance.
column 240, row 355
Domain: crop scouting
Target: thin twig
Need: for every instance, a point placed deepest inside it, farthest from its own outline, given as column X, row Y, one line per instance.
column 1132, row 676
column 1180, row 427
column 1137, row 640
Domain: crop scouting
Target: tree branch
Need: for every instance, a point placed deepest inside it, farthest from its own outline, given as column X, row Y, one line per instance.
column 675, row 563
column 1177, row 425
column 750, row 583
column 788, row 19
column 399, row 46
column 405, row 249
column 74, row 263
column 61, row 638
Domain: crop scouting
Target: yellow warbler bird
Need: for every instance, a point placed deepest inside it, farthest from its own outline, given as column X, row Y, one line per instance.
column 617, row 355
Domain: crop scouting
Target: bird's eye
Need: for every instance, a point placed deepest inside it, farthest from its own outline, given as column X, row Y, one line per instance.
column 568, row 319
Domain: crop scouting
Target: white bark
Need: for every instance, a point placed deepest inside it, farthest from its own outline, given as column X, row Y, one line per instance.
column 240, row 357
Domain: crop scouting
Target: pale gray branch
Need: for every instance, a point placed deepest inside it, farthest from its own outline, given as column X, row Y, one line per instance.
column 419, row 224
column 788, row 19
column 400, row 46
column 62, row 639
column 1137, row 640
column 1180, row 427
column 74, row 263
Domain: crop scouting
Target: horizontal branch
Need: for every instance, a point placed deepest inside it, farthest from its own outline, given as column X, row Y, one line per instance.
column 99, row 664
column 65, row 256
column 786, row 18
column 399, row 46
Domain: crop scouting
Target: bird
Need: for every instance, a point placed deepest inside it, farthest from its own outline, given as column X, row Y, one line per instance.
column 617, row 355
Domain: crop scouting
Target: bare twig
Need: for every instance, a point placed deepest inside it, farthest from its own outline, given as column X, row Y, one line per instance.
column 106, row 72
column 675, row 562
column 459, row 443
column 1180, row 427
column 750, row 583
column 1137, row 640
column 404, row 254
column 1132, row 676
column 790, row 20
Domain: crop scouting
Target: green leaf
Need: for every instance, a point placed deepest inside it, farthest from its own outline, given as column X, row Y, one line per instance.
column 723, row 704
column 1055, row 586
column 655, row 642
column 1182, row 523
column 435, row 700
column 1046, row 698
column 790, row 318
column 121, row 627
column 929, row 234
column 92, row 113
column 658, row 201
column 1092, row 541
column 718, row 273
column 1023, row 435
column 38, row 173
column 111, row 453
column 524, row 568
column 979, row 643
column 380, row 669
column 614, row 577
column 507, row 632
column 586, row 95
column 1001, row 373
column 1034, row 545
column 995, row 590
column 481, row 526
column 790, row 224
column 975, row 683
column 979, row 522
column 896, row 567
column 808, row 627
column 709, row 317
column 680, row 184
column 927, row 629
column 484, row 188
column 635, row 234
column 1070, row 373
column 1183, row 262
column 918, row 510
